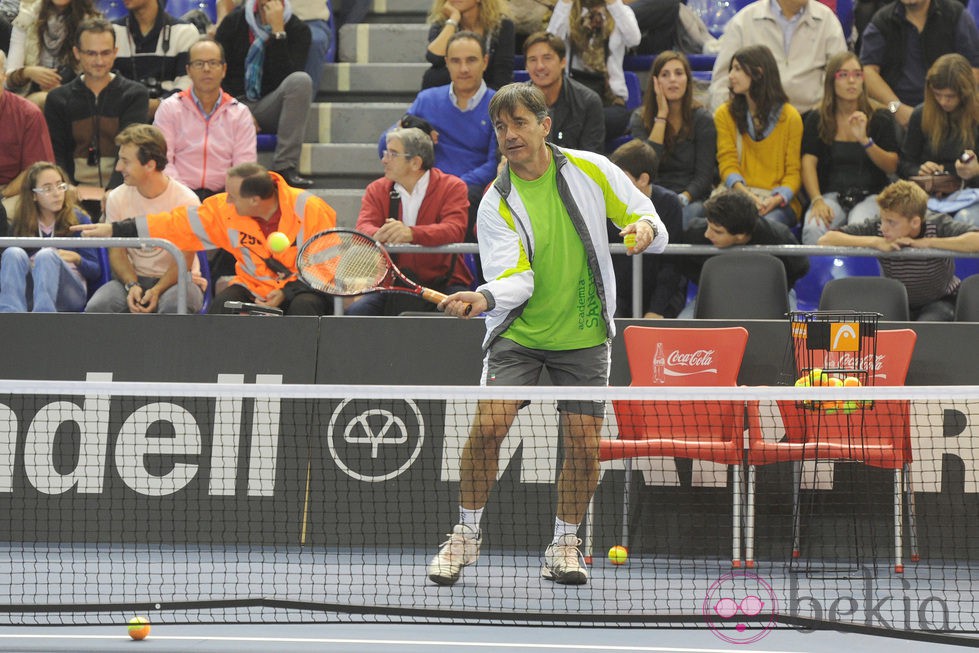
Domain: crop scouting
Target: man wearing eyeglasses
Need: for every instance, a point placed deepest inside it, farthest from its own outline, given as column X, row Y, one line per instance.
column 85, row 115
column 414, row 202
column 207, row 131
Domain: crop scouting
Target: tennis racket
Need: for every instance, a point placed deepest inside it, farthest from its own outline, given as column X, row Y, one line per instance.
column 347, row 263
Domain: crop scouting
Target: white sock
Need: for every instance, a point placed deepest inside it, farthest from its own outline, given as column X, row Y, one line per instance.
column 562, row 528
column 470, row 518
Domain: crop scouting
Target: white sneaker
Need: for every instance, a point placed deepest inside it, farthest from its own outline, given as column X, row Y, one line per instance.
column 563, row 562
column 460, row 550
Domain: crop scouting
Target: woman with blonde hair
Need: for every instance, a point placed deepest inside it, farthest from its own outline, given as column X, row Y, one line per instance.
column 759, row 136
column 943, row 132
column 680, row 130
column 41, row 56
column 59, row 277
column 848, row 150
column 487, row 19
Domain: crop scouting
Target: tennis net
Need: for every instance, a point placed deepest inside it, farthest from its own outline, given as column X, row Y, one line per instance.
column 271, row 503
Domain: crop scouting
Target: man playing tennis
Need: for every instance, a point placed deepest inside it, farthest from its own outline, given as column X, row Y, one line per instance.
column 549, row 301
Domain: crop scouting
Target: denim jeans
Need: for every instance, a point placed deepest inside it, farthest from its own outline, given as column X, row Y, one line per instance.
column 56, row 287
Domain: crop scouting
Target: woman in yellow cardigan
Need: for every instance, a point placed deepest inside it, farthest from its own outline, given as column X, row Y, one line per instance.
column 759, row 136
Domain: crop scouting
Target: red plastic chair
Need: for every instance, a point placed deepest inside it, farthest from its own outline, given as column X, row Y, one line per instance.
column 878, row 435
column 714, row 431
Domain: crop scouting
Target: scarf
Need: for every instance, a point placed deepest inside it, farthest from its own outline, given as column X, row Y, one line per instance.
column 255, row 59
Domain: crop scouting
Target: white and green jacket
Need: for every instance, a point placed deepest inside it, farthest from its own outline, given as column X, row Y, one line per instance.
column 593, row 190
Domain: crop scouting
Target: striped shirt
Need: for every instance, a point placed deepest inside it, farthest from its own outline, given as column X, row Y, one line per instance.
column 927, row 279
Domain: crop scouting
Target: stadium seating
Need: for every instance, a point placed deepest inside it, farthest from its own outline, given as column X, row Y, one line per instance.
column 883, row 295
column 742, row 286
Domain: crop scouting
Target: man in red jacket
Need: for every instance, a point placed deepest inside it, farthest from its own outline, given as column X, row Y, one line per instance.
column 415, row 203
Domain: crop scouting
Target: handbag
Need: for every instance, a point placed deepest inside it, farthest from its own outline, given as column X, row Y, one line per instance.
column 939, row 184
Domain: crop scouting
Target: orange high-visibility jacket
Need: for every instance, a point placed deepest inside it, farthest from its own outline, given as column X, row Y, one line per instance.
column 216, row 225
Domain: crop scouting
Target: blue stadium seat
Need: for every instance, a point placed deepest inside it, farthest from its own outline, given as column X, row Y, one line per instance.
column 266, row 142
column 823, row 269
column 206, row 273
column 180, row 7
column 106, row 275
column 966, row 267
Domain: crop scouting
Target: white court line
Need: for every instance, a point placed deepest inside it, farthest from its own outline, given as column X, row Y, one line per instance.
column 403, row 642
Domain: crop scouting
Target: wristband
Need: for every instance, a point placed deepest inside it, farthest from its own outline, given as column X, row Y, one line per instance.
column 658, row 119
column 869, row 144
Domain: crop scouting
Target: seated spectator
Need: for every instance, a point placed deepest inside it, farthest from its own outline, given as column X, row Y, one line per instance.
column 680, row 130
column 759, row 135
column 576, row 111
column 415, row 203
column 316, row 15
column 598, row 32
column 664, row 286
column 266, row 48
column 207, row 131
column 59, row 277
column 258, row 203
column 731, row 220
column 905, row 221
column 801, row 34
column 485, row 19
column 144, row 280
column 41, row 57
column 24, row 140
column 85, row 115
column 153, row 49
column 903, row 40
column 943, row 129
column 465, row 143
column 848, row 150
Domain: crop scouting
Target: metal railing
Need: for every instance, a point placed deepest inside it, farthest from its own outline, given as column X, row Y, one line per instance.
column 473, row 248
column 140, row 243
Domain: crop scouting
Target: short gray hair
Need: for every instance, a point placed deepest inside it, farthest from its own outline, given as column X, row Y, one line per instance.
column 510, row 97
column 416, row 143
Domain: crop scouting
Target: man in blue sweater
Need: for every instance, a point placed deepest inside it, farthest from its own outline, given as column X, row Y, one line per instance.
column 465, row 145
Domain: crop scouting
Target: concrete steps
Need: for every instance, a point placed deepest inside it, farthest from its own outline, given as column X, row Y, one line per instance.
column 351, row 122
column 383, row 43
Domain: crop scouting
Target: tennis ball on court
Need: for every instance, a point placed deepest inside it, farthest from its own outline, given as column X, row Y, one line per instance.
column 278, row 241
column 139, row 627
column 617, row 555
column 629, row 240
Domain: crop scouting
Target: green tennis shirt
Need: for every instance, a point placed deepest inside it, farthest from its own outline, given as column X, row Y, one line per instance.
column 564, row 311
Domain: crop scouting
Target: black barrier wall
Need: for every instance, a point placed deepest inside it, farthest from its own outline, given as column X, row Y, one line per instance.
column 218, row 484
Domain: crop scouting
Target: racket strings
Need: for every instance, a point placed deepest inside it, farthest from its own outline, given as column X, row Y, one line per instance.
column 344, row 264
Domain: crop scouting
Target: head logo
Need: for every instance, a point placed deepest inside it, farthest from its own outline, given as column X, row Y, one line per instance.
column 740, row 608
column 377, row 443
column 844, row 336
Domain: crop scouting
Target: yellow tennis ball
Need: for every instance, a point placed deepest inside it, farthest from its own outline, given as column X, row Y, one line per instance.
column 629, row 240
column 617, row 555
column 278, row 241
column 139, row 627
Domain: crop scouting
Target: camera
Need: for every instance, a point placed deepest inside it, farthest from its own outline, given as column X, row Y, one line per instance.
column 851, row 197
column 153, row 87
column 93, row 156
column 965, row 157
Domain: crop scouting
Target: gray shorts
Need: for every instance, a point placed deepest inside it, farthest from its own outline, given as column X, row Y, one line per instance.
column 507, row 363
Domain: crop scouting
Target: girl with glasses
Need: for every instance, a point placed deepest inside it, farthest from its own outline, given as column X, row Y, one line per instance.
column 46, row 280
column 848, row 150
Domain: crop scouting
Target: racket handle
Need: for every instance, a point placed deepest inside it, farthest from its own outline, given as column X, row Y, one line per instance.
column 436, row 297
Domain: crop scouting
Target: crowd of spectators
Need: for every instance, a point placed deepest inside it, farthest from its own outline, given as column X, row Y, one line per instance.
column 806, row 130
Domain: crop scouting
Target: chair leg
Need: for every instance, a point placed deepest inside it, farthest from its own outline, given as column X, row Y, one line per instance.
column 625, row 502
column 898, row 535
column 749, row 534
column 589, row 529
column 736, row 516
column 912, row 514
column 796, row 508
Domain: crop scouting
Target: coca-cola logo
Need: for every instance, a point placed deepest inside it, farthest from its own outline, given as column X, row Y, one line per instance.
column 699, row 358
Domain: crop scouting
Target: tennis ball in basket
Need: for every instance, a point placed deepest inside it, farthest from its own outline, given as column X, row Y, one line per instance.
column 817, row 377
column 629, row 240
column 852, row 382
column 802, row 382
column 617, row 555
column 278, row 241
column 139, row 627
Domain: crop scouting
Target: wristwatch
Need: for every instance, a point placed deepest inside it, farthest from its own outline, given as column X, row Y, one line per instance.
column 279, row 36
column 130, row 285
column 893, row 106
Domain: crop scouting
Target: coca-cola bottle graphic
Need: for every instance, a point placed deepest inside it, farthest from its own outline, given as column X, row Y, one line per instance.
column 659, row 364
